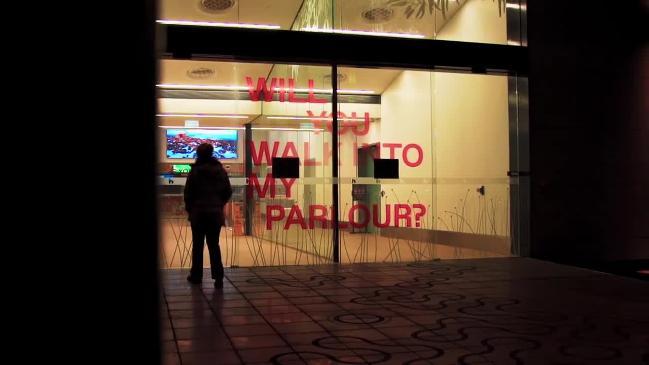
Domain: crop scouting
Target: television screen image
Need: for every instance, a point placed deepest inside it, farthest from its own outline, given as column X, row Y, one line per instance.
column 182, row 143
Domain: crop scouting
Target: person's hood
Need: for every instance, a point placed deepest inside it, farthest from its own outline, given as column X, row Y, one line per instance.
column 211, row 165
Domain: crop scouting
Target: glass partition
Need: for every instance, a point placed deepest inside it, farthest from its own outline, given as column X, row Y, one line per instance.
column 425, row 174
column 423, row 162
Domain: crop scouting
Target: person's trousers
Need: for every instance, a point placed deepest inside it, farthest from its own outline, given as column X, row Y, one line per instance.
column 206, row 226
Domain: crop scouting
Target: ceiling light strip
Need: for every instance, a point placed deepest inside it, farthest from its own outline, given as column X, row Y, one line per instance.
column 245, row 88
column 312, row 118
column 217, row 24
column 242, row 128
column 170, row 115
column 362, row 32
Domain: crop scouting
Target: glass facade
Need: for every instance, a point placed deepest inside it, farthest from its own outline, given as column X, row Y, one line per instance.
column 449, row 133
column 450, row 138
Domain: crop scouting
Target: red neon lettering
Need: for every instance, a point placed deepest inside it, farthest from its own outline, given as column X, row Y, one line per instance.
column 269, row 182
column 322, row 217
column 290, row 150
column 318, row 213
column 261, row 88
column 324, row 120
column 366, row 124
column 270, row 217
column 312, row 98
column 398, row 215
column 343, row 126
column 318, row 122
column 287, row 185
column 326, row 154
column 308, row 161
column 420, row 156
column 282, row 91
column 291, row 93
column 376, row 213
column 365, row 214
column 392, row 146
column 263, row 155
column 341, row 224
column 418, row 215
column 295, row 217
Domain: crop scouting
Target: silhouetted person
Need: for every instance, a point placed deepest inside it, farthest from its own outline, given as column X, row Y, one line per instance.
column 206, row 192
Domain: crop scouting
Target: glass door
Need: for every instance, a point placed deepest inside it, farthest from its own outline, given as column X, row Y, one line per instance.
column 425, row 161
column 272, row 123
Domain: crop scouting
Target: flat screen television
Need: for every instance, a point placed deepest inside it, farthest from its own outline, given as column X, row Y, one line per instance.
column 182, row 143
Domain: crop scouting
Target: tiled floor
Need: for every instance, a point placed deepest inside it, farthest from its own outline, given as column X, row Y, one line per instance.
column 485, row 311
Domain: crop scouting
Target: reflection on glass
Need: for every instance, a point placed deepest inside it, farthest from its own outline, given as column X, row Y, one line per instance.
column 450, row 134
column 252, row 113
column 482, row 21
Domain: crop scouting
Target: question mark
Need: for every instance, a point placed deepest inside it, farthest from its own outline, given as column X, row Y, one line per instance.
column 419, row 214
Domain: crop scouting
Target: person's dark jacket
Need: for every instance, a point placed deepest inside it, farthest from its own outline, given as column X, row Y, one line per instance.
column 207, row 189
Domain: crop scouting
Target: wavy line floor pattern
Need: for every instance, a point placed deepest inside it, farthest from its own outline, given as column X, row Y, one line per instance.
column 469, row 312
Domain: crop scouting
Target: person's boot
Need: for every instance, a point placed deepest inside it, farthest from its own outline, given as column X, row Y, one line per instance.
column 218, row 283
column 193, row 280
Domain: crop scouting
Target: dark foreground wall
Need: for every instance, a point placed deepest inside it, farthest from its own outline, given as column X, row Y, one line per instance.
column 589, row 130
